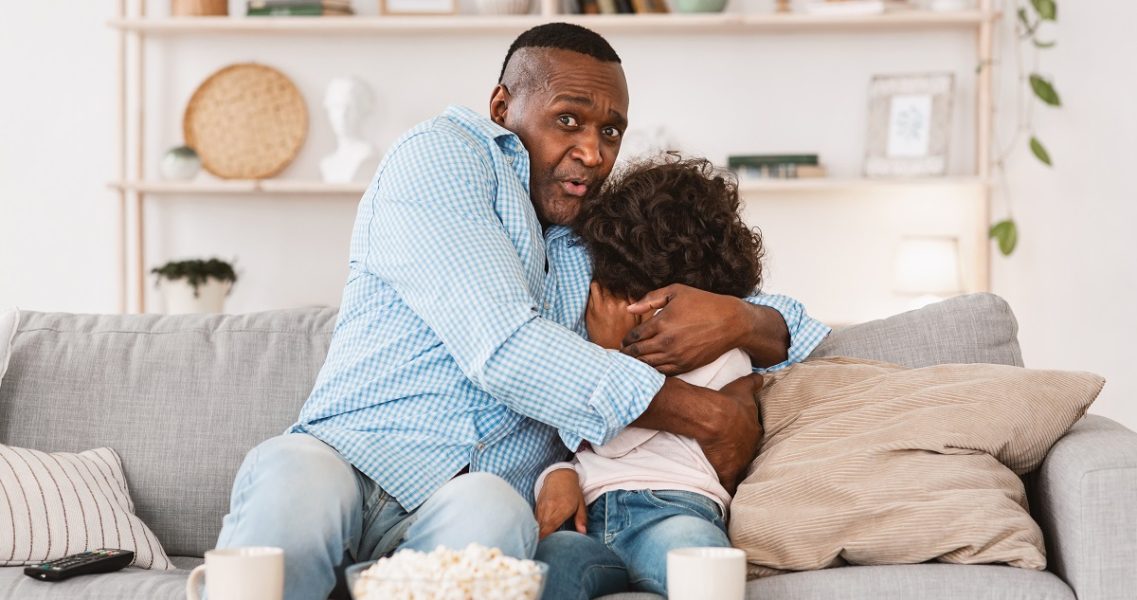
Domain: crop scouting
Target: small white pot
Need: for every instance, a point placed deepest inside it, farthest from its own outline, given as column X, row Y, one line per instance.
column 504, row 7
column 179, row 297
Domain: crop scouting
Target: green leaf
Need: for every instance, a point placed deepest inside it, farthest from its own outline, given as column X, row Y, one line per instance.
column 1040, row 151
column 1044, row 90
column 1007, row 234
column 1046, row 9
column 1043, row 45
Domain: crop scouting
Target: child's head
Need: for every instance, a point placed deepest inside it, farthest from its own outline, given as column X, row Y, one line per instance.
column 675, row 221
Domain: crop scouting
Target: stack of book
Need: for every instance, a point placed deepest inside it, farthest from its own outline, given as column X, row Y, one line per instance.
column 613, row 7
column 298, row 8
column 776, row 166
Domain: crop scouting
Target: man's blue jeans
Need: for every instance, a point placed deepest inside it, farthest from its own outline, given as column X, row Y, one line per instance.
column 629, row 536
column 298, row 493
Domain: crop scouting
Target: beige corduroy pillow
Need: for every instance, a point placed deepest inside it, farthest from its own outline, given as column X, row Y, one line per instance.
column 869, row 463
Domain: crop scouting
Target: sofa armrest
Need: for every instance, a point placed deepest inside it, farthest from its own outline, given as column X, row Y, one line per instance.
column 1085, row 499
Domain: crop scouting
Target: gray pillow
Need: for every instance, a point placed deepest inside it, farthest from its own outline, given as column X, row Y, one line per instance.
column 976, row 328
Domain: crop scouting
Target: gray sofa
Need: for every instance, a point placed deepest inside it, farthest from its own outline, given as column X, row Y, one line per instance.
column 182, row 398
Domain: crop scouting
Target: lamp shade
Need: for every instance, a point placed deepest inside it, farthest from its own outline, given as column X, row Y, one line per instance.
column 927, row 265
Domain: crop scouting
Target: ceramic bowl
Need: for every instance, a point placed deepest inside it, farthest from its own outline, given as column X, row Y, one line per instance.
column 504, row 7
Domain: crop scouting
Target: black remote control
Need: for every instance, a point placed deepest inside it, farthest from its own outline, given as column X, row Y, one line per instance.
column 103, row 560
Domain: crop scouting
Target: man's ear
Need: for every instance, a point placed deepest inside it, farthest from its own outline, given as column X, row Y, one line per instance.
column 499, row 103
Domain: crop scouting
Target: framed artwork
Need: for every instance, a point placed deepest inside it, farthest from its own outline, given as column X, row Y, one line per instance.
column 418, row 7
column 909, row 123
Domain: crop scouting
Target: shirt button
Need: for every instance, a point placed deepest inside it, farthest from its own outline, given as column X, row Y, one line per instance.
column 548, row 306
column 480, row 447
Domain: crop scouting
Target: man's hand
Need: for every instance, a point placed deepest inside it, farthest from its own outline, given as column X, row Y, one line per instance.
column 695, row 327
column 608, row 318
column 732, row 451
column 724, row 422
column 561, row 498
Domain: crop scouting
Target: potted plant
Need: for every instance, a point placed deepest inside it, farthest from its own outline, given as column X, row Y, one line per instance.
column 195, row 286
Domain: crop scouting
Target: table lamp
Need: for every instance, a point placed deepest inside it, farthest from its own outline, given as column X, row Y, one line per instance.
column 927, row 268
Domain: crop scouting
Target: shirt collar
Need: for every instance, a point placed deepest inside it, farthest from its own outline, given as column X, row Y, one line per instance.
column 506, row 139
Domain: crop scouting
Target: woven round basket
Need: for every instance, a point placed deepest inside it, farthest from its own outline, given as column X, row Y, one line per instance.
column 246, row 121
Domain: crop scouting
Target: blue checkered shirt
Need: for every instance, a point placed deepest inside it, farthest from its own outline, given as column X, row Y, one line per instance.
column 454, row 345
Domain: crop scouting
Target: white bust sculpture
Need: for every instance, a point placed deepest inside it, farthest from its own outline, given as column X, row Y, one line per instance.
column 347, row 102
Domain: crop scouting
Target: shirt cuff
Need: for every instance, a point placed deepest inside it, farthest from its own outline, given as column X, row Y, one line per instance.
column 622, row 395
column 553, row 467
column 806, row 333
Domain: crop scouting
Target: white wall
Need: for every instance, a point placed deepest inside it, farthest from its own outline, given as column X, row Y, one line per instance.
column 1073, row 280
column 716, row 95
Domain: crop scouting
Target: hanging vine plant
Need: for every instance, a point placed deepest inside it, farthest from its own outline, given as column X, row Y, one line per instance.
column 1031, row 17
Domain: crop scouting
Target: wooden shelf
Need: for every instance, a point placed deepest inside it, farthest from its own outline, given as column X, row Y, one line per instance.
column 241, row 187
column 826, row 184
column 648, row 24
column 284, row 187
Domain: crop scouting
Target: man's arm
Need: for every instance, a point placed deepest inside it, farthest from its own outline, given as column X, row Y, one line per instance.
column 725, row 423
column 694, row 327
column 436, row 238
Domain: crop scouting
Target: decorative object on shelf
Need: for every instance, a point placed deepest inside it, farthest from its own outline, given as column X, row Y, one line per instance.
column 199, row 8
column 945, row 5
column 298, row 8
column 776, row 166
column 195, row 286
column 841, row 8
column 347, row 102
column 1031, row 19
column 246, row 121
column 698, row 6
column 418, row 7
column 504, row 7
column 909, row 124
column 927, row 268
column 180, row 163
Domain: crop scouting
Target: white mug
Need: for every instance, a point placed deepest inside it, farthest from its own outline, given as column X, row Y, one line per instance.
column 249, row 573
column 701, row 573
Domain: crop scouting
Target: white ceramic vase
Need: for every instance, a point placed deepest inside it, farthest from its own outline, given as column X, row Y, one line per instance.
column 504, row 7
column 179, row 297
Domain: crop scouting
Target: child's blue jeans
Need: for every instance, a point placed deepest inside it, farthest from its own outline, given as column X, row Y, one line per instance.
column 629, row 535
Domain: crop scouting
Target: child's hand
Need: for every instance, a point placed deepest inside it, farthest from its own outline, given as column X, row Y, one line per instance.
column 607, row 318
column 560, row 499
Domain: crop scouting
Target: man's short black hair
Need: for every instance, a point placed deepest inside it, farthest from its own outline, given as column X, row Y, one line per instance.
column 562, row 36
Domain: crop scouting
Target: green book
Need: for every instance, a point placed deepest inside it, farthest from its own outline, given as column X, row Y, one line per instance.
column 758, row 160
column 298, row 10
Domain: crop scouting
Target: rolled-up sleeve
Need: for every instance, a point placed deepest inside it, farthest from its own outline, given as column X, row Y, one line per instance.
column 436, row 239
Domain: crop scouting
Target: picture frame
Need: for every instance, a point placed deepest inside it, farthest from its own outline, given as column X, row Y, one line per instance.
column 418, row 7
column 909, row 125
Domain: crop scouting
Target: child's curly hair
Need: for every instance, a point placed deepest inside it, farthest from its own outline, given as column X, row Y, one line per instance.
column 670, row 221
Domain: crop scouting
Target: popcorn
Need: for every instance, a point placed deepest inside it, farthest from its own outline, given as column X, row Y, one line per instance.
column 475, row 573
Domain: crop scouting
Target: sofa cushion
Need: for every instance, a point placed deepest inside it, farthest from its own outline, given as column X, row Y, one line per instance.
column 875, row 464
column 121, row 585
column 9, row 320
column 180, row 398
column 976, row 328
column 63, row 503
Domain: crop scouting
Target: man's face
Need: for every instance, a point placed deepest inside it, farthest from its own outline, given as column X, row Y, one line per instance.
column 571, row 120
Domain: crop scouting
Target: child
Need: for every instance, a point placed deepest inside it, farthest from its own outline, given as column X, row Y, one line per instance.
column 647, row 492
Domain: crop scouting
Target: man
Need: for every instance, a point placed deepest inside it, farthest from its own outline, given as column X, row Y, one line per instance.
column 460, row 357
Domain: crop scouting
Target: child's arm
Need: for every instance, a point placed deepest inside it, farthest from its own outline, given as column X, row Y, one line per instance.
column 560, row 498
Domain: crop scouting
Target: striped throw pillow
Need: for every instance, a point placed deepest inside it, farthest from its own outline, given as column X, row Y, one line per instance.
column 60, row 503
